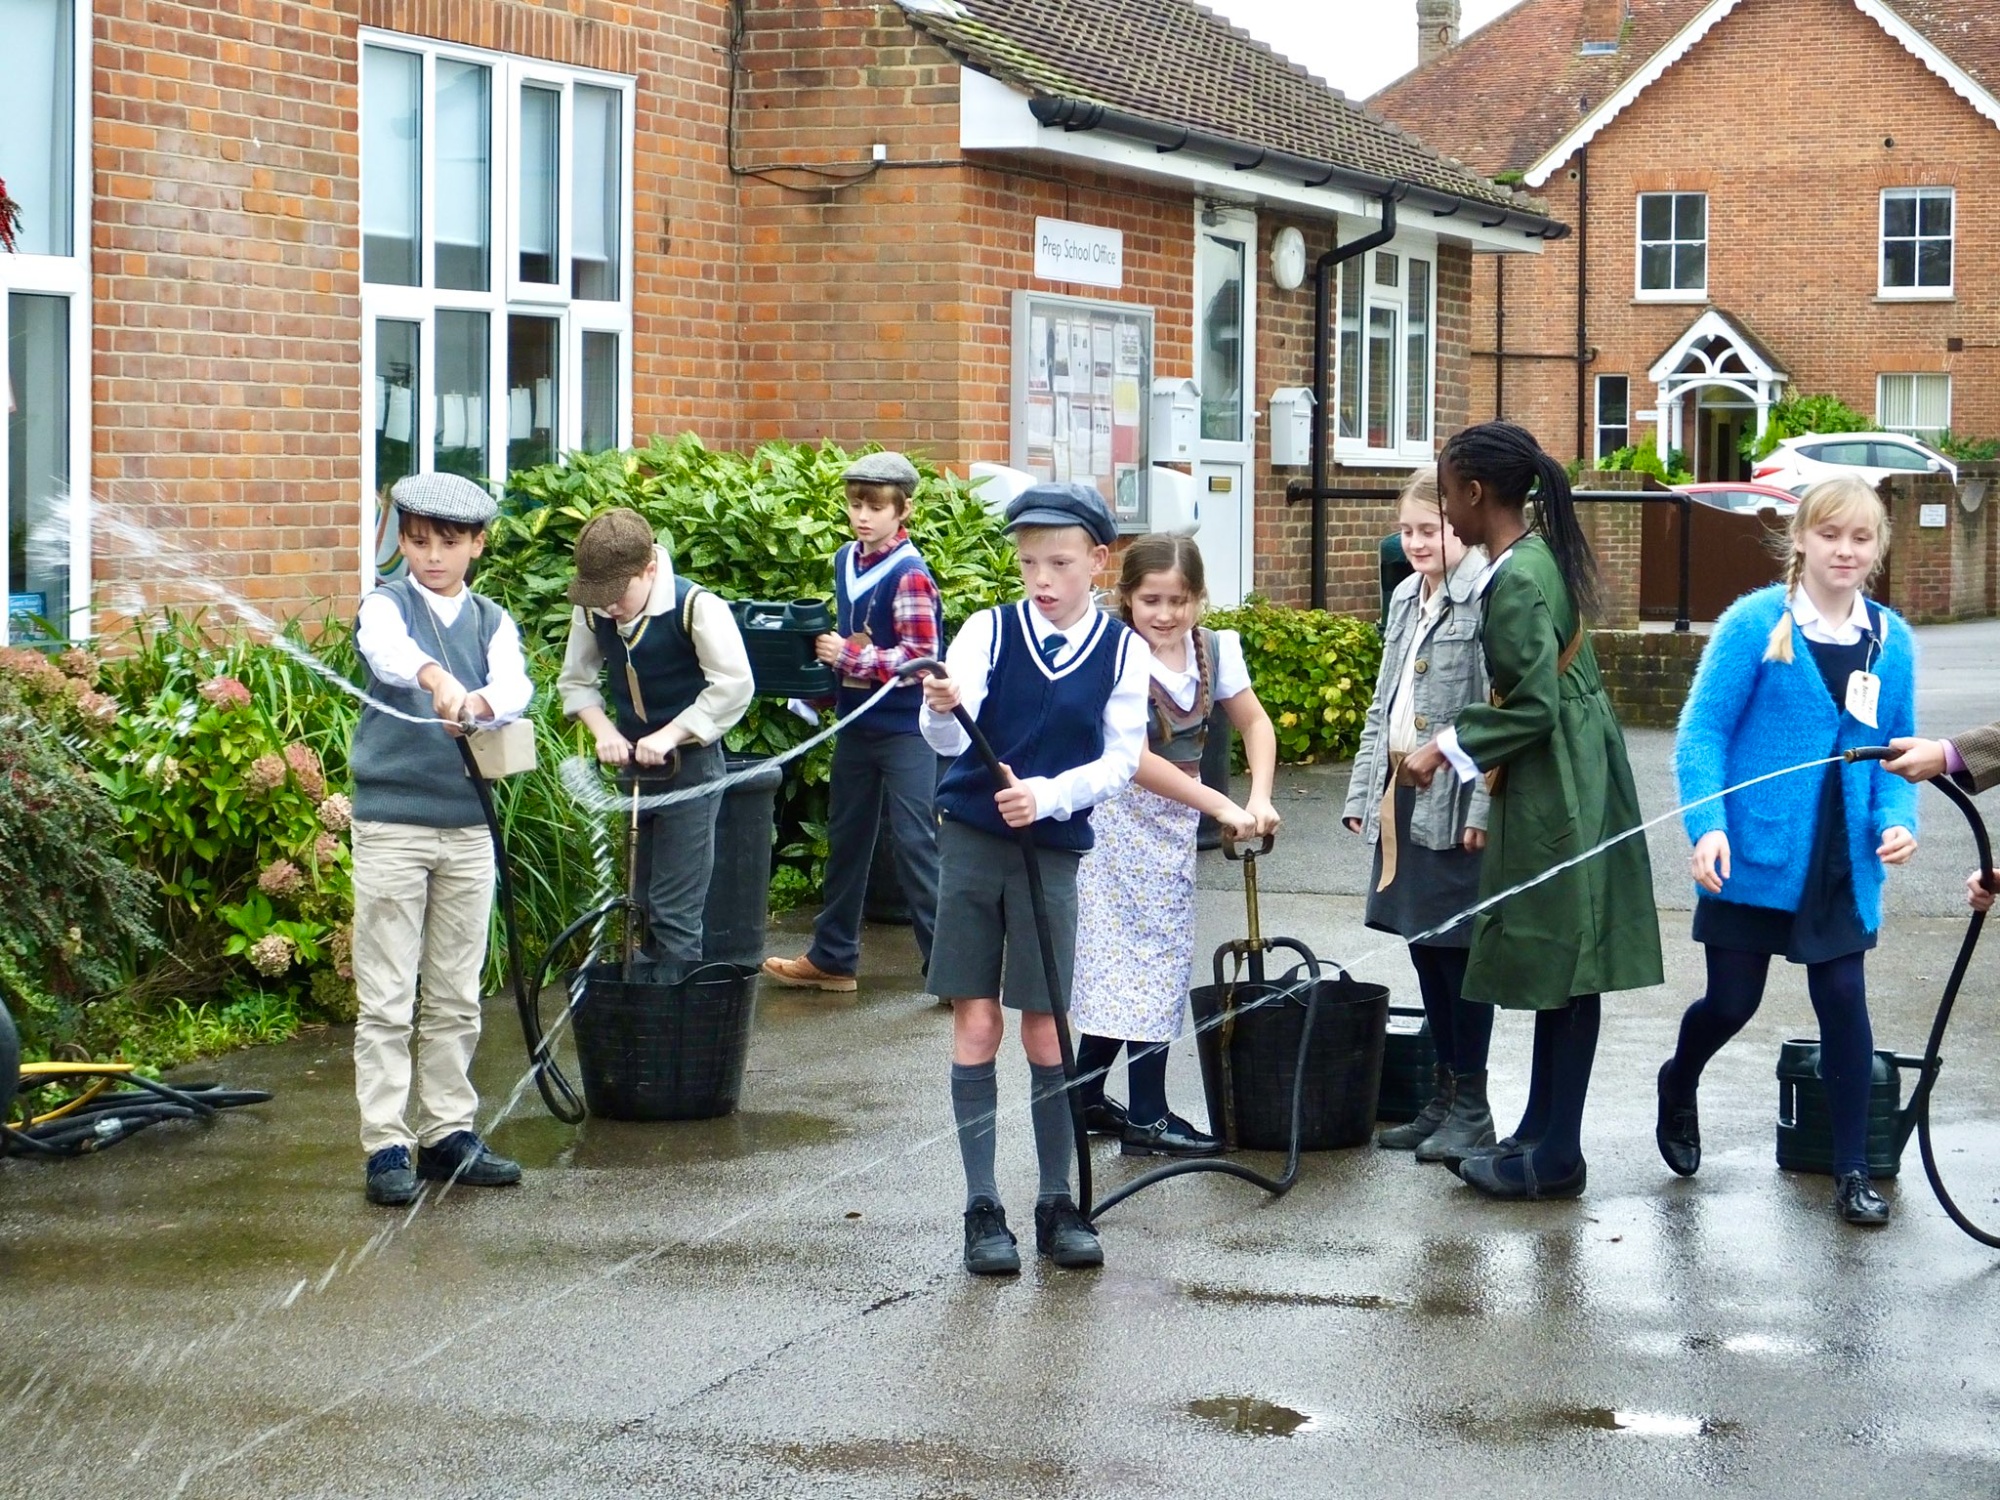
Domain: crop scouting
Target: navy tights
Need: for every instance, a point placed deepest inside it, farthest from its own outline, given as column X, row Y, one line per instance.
column 1145, row 1075
column 1559, row 1081
column 1460, row 1028
column 1839, row 993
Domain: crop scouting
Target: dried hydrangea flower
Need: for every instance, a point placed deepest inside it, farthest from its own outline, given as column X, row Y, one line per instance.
column 281, row 878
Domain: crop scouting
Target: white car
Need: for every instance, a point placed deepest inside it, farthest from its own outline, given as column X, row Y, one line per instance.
column 1799, row 462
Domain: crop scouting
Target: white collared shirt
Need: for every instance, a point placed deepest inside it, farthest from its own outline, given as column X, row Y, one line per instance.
column 1403, row 705
column 394, row 656
column 1857, row 626
column 1069, row 792
column 1232, row 673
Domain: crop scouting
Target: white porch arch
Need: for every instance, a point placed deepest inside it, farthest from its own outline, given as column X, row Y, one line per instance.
column 1716, row 350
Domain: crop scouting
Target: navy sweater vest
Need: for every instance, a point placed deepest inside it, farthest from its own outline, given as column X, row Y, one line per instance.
column 655, row 676
column 413, row 773
column 1040, row 722
column 875, row 610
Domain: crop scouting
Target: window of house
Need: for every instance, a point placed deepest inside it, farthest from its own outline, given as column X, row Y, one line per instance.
column 1081, row 397
column 1386, row 362
column 1673, row 244
column 497, row 312
column 1917, row 404
column 1916, row 242
column 1614, row 414
column 45, row 319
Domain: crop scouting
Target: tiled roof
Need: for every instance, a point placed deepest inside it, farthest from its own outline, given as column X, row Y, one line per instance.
column 1510, row 91
column 1519, row 84
column 1174, row 62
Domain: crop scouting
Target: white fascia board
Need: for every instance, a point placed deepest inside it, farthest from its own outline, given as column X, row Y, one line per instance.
column 1912, row 41
column 1620, row 99
column 992, row 116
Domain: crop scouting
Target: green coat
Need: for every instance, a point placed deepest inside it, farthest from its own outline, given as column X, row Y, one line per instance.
column 1567, row 787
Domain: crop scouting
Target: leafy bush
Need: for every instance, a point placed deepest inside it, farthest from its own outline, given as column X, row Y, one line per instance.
column 1795, row 416
column 1966, row 450
column 1644, row 459
column 1314, row 672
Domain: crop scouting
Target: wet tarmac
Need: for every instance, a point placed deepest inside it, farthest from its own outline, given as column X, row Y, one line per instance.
column 771, row 1304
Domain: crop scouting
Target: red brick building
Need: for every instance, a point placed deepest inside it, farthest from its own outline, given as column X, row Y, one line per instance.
column 277, row 254
column 1768, row 197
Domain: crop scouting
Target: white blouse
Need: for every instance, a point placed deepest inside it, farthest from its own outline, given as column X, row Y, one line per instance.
column 1232, row 675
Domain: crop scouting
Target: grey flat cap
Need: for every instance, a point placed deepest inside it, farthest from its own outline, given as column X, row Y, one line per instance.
column 444, row 497
column 883, row 468
column 1064, row 504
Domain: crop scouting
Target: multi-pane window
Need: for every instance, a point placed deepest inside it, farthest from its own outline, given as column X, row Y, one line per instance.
column 1917, row 404
column 1673, row 244
column 1916, row 242
column 45, row 320
column 1386, row 354
column 495, row 213
column 1614, row 414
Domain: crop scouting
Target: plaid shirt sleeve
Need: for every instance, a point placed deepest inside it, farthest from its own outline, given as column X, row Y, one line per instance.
column 916, row 611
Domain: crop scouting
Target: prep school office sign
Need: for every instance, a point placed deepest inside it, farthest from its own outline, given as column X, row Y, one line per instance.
column 1083, row 253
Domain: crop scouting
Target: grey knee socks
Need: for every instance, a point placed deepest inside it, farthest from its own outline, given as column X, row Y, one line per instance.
column 975, row 1095
column 1055, row 1137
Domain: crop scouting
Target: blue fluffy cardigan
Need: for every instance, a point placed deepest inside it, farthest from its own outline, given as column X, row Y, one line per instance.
column 1746, row 716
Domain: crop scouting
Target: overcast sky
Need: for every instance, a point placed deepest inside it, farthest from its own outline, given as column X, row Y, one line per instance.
column 1355, row 45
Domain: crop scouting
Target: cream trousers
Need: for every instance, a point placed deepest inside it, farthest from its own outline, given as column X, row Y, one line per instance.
column 422, row 900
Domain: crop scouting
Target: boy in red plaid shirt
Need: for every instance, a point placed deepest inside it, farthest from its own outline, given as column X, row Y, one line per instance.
column 888, row 613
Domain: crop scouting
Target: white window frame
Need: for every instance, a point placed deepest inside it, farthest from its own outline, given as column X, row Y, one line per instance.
column 1405, row 451
column 66, row 276
column 1640, row 291
column 506, row 294
column 1599, row 451
column 1883, row 290
column 1882, row 380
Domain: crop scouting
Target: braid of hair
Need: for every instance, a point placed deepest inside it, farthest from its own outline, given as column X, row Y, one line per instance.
column 1779, row 646
column 1507, row 460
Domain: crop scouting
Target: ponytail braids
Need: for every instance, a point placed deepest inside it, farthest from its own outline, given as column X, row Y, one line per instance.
column 1513, row 468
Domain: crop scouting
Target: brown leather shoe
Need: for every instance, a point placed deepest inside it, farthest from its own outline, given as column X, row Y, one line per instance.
column 802, row 973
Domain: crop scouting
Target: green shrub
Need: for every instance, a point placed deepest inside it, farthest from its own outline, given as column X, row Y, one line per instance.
column 1966, row 450
column 1644, row 459
column 1795, row 416
column 1314, row 673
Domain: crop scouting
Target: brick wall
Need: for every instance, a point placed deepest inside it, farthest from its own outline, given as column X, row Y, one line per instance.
column 1800, row 186
column 1647, row 674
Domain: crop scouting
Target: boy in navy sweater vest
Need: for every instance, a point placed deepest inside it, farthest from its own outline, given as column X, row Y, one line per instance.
column 436, row 653
column 888, row 613
column 670, row 656
column 1060, row 691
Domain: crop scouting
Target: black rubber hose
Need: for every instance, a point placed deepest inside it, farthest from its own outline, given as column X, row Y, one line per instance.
column 1920, row 1102
column 554, row 1088
column 1038, row 902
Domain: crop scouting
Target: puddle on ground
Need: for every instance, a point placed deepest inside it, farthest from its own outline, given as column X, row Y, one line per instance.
column 601, row 1144
column 1552, row 1421
column 1252, row 1416
column 1237, row 1296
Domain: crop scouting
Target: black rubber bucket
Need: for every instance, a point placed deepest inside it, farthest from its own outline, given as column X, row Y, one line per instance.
column 739, row 888
column 1343, row 1066
column 1409, row 1066
column 651, row 1050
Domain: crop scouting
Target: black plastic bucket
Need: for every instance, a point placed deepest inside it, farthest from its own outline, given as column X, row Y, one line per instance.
column 1409, row 1066
column 739, row 889
column 1343, row 1068
column 650, row 1050
column 1805, row 1124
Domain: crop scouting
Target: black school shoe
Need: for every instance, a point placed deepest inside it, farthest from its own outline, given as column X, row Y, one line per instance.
column 464, row 1158
column 1483, row 1173
column 1105, row 1117
column 1172, row 1136
column 1064, row 1236
column 1856, row 1201
column 390, row 1180
column 989, row 1243
column 1677, row 1132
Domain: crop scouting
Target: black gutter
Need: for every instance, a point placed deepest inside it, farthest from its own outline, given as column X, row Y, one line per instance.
column 1075, row 115
column 1322, row 322
column 1586, row 436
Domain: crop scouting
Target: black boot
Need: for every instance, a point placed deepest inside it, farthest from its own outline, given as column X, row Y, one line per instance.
column 1467, row 1127
column 1429, row 1118
column 1678, row 1129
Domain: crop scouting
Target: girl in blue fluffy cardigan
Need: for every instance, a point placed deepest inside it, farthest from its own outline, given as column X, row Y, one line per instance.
column 1795, row 866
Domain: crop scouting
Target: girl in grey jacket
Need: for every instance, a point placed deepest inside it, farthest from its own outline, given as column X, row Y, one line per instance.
column 1427, row 841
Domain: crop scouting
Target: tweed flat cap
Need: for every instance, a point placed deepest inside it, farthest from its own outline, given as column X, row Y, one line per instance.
column 1069, row 504
column 444, row 497
column 883, row 468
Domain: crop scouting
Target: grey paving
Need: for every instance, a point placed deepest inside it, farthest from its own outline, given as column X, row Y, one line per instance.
column 770, row 1304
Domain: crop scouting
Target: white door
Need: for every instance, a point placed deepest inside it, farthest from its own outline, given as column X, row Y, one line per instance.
column 1225, row 363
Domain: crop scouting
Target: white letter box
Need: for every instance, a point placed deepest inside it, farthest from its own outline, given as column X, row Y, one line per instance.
column 1291, row 427
column 1176, row 420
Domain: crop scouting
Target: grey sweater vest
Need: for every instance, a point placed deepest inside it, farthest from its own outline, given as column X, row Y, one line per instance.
column 413, row 773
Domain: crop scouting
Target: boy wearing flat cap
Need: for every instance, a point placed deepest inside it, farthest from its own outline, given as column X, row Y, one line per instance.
column 439, row 655
column 670, row 655
column 1059, row 689
column 888, row 613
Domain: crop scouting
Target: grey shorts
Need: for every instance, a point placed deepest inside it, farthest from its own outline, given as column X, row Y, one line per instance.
column 986, row 945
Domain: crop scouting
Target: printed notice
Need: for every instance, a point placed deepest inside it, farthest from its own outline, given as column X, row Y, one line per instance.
column 1088, row 254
